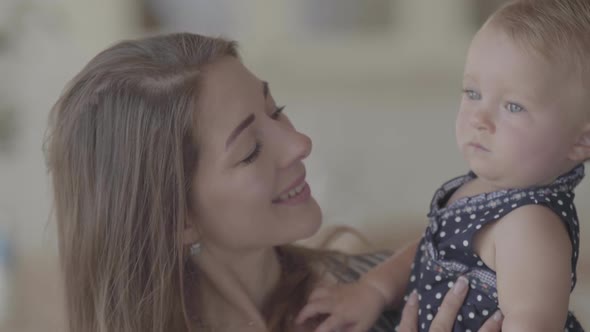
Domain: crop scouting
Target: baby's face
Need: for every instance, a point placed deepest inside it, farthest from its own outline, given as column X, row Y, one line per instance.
column 520, row 115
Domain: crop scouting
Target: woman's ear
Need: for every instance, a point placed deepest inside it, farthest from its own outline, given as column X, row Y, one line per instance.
column 190, row 234
column 581, row 149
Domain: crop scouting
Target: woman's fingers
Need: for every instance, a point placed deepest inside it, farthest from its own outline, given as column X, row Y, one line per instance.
column 313, row 309
column 319, row 294
column 494, row 323
column 332, row 324
column 447, row 312
column 409, row 322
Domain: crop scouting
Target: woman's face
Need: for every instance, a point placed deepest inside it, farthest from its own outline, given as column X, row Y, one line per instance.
column 249, row 191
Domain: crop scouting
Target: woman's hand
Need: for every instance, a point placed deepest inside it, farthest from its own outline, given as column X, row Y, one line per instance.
column 352, row 307
column 447, row 312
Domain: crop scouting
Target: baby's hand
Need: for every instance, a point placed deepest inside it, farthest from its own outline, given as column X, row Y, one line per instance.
column 350, row 307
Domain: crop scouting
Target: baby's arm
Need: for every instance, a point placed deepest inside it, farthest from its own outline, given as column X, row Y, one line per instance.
column 357, row 305
column 533, row 266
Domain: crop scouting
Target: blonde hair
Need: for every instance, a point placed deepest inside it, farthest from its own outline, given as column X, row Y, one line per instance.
column 122, row 150
column 559, row 30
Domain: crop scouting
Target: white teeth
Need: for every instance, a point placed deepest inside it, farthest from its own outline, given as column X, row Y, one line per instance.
column 292, row 193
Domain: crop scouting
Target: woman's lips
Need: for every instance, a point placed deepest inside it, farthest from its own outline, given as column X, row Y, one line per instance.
column 297, row 191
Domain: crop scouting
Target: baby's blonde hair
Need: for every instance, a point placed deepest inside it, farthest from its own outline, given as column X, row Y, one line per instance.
column 558, row 30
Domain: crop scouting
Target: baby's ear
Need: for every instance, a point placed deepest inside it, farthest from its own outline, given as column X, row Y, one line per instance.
column 581, row 149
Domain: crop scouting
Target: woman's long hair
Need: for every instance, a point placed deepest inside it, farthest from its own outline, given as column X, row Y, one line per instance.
column 121, row 150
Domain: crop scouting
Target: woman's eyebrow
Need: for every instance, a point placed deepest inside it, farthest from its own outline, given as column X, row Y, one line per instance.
column 240, row 128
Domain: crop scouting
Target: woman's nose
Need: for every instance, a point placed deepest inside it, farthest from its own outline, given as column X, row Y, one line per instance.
column 296, row 147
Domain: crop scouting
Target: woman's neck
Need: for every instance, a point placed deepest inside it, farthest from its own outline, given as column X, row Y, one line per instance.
column 233, row 287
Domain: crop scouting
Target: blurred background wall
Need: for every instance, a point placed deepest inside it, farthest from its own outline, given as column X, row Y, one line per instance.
column 375, row 83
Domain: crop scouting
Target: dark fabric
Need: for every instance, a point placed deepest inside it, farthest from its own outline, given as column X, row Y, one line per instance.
column 446, row 252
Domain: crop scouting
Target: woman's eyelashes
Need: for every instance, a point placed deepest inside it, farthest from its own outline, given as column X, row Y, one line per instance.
column 253, row 155
column 277, row 112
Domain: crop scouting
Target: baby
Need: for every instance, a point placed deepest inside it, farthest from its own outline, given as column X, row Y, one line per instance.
column 508, row 229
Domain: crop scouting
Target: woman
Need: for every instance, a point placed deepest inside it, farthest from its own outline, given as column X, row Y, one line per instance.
column 179, row 187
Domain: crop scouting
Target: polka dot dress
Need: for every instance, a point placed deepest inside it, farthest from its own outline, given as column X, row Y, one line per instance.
column 446, row 251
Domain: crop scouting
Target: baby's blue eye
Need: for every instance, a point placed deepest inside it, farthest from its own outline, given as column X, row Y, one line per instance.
column 514, row 108
column 471, row 94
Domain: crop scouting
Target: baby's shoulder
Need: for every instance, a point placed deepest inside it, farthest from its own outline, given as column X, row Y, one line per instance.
column 531, row 224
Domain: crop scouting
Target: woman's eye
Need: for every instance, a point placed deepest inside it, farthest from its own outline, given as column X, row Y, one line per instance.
column 514, row 108
column 472, row 94
column 278, row 110
column 253, row 155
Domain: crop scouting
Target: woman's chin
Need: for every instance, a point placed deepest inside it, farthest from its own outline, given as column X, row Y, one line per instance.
column 307, row 225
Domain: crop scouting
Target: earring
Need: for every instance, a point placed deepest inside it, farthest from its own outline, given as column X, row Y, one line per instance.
column 195, row 248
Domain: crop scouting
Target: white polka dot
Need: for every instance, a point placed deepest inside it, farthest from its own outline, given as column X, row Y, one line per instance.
column 457, row 231
column 469, row 226
column 438, row 296
column 429, row 317
column 438, row 278
column 560, row 202
column 428, row 306
column 405, row 298
column 485, row 312
column 459, row 318
column 450, row 284
column 444, row 223
column 465, row 243
column 458, row 219
column 495, row 294
column 423, row 326
column 501, row 210
column 442, row 234
column 413, row 278
column 478, row 227
column 442, row 253
column 564, row 214
column 479, row 263
column 468, row 330
column 428, row 287
column 453, row 246
column 471, row 315
column 497, row 216
column 419, row 311
column 514, row 205
column 479, row 298
column 472, row 216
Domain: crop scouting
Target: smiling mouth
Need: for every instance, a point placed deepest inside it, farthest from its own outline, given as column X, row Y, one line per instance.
column 478, row 147
column 296, row 191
